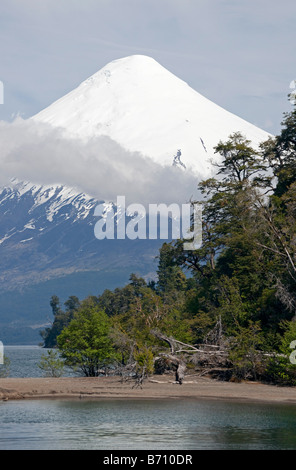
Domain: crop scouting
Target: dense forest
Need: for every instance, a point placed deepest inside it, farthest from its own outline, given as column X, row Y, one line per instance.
column 226, row 309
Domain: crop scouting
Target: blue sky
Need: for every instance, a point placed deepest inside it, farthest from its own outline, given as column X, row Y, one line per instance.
column 238, row 53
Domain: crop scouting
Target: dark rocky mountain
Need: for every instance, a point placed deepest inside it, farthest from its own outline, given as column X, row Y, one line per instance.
column 48, row 246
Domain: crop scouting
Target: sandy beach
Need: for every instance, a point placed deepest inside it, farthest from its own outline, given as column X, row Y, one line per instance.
column 156, row 387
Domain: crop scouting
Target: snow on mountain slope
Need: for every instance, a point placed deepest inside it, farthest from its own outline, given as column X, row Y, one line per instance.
column 50, row 199
column 28, row 212
column 145, row 108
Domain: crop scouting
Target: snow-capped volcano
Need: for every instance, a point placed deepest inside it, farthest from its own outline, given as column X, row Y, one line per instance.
column 145, row 108
column 47, row 241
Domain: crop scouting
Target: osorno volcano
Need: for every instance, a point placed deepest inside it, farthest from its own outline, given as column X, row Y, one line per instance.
column 145, row 108
column 47, row 242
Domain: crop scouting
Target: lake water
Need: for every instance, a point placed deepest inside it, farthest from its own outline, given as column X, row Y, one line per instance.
column 24, row 361
column 138, row 425
column 148, row 424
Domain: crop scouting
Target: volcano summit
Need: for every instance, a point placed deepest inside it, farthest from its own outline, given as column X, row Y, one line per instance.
column 145, row 108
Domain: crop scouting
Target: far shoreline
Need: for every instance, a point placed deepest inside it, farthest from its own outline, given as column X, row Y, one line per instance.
column 154, row 388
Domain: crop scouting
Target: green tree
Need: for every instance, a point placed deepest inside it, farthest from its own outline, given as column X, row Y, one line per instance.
column 144, row 364
column 61, row 319
column 245, row 353
column 170, row 275
column 51, row 364
column 281, row 368
column 72, row 305
column 85, row 343
column 280, row 153
column 241, row 163
column 242, row 267
column 278, row 216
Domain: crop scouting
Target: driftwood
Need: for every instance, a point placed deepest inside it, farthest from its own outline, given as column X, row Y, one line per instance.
column 213, row 353
column 176, row 347
column 180, row 367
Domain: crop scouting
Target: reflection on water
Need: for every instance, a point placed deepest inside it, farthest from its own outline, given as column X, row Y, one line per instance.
column 144, row 425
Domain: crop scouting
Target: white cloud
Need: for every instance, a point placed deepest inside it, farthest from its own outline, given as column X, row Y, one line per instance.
column 100, row 168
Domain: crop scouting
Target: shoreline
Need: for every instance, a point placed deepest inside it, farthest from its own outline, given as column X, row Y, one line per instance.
column 156, row 387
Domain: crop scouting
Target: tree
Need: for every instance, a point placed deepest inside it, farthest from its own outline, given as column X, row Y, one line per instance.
column 144, row 364
column 280, row 154
column 170, row 275
column 281, row 367
column 85, row 343
column 278, row 216
column 72, row 304
column 137, row 283
column 241, row 163
column 51, row 364
column 61, row 319
column 55, row 305
column 50, row 334
column 245, row 353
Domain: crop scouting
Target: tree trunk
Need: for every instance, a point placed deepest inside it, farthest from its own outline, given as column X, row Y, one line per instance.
column 180, row 372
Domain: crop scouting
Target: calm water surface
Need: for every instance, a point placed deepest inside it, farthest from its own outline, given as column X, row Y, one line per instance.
column 138, row 425
column 24, row 361
column 145, row 425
